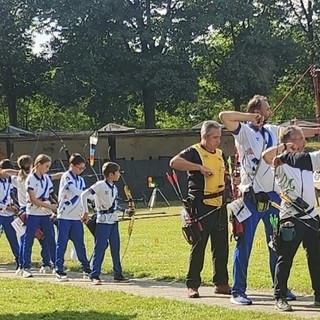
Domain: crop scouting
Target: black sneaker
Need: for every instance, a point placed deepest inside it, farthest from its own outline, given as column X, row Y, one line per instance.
column 96, row 281
column 86, row 272
column 283, row 305
column 61, row 276
column 121, row 278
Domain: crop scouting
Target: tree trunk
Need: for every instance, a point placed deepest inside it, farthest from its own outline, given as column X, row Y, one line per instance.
column 236, row 103
column 149, row 106
column 12, row 108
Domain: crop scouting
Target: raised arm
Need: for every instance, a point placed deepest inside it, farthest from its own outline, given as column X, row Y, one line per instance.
column 269, row 154
column 301, row 160
column 231, row 119
column 6, row 173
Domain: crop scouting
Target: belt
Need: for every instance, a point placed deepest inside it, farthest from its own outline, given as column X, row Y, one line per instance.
column 213, row 195
column 106, row 211
column 198, row 195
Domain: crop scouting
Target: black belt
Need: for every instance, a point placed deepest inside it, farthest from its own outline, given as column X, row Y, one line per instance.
column 105, row 211
column 213, row 195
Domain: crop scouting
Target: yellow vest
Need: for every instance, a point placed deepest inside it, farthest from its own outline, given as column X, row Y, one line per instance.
column 214, row 183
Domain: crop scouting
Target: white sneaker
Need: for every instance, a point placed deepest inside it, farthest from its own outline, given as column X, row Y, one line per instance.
column 19, row 272
column 45, row 269
column 26, row 273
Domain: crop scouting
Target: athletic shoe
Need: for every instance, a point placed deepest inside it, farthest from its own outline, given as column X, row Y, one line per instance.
column 19, row 272
column 61, row 276
column 290, row 296
column 193, row 293
column 86, row 273
column 26, row 273
column 240, row 299
column 283, row 305
column 96, row 281
column 317, row 303
column 120, row 278
column 45, row 269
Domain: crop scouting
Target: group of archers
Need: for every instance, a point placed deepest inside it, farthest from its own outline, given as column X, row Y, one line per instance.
column 40, row 209
column 276, row 184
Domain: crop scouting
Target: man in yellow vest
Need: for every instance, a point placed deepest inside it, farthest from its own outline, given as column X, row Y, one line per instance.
column 205, row 165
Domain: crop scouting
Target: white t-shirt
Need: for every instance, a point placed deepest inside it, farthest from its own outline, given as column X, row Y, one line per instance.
column 296, row 183
column 250, row 144
column 42, row 187
column 105, row 197
column 20, row 185
column 5, row 198
column 70, row 189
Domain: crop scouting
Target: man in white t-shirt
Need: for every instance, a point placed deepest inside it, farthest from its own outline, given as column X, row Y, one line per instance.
column 299, row 220
column 252, row 136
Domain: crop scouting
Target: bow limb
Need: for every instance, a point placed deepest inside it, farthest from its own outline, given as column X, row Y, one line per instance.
column 290, row 90
column 63, row 147
column 131, row 207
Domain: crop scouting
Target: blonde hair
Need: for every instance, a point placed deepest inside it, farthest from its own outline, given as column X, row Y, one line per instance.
column 24, row 163
column 40, row 159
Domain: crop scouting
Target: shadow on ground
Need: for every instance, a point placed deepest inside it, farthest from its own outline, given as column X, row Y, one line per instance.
column 67, row 315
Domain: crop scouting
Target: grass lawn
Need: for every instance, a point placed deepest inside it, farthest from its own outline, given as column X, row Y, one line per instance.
column 156, row 250
column 20, row 301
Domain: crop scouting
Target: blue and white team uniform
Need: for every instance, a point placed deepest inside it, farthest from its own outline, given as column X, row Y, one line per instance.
column 255, row 173
column 7, row 217
column 69, row 223
column 20, row 185
column 107, row 232
column 38, row 217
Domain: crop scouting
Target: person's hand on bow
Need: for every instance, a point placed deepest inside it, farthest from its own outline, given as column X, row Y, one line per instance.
column 130, row 212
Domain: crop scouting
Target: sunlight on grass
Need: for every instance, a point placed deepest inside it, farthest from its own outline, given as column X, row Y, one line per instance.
column 157, row 250
column 52, row 302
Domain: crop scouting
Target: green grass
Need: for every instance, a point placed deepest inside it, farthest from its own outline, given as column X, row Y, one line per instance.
column 20, row 301
column 158, row 250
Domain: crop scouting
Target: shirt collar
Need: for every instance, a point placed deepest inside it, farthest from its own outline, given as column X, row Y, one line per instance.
column 37, row 177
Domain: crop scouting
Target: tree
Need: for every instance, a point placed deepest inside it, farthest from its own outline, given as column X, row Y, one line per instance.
column 19, row 69
column 247, row 52
column 141, row 50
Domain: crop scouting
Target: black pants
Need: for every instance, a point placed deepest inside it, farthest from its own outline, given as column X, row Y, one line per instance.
column 287, row 250
column 214, row 226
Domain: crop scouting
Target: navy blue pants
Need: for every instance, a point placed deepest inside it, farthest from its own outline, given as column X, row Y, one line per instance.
column 34, row 222
column 11, row 235
column 73, row 230
column 45, row 253
column 106, row 234
column 244, row 245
